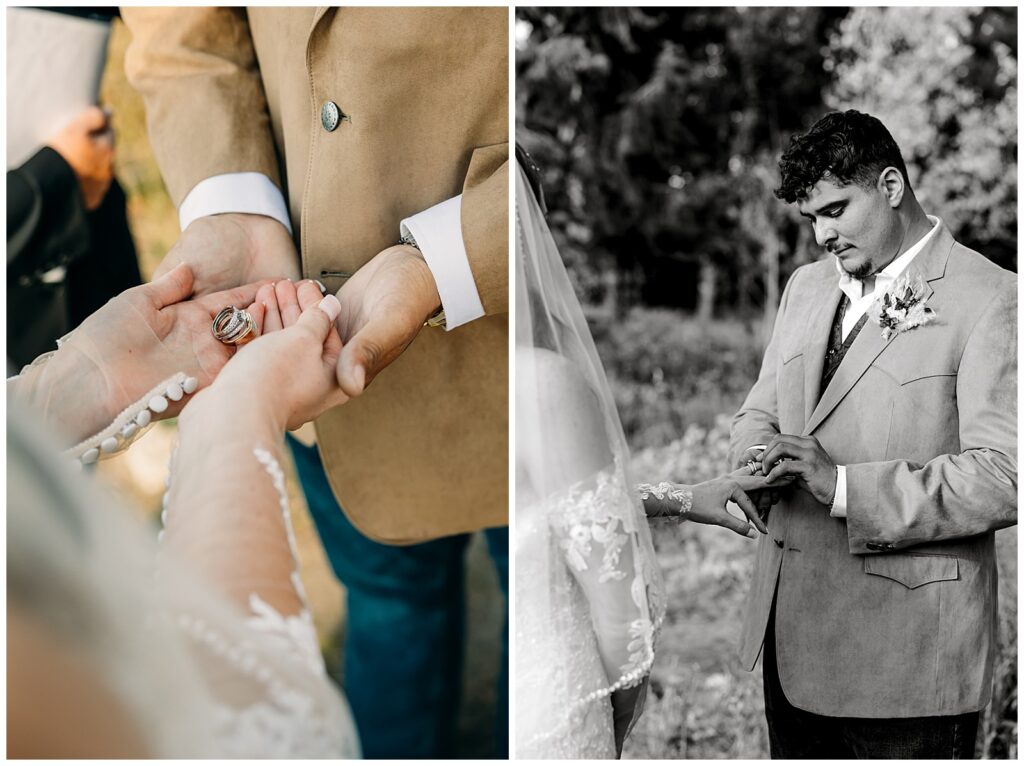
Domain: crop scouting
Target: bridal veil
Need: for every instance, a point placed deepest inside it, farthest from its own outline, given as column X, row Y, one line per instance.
column 116, row 650
column 589, row 597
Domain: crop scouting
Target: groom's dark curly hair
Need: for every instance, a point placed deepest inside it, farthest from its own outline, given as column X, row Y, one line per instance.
column 846, row 147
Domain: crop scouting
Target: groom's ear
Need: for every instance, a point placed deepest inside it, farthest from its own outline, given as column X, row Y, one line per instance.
column 892, row 185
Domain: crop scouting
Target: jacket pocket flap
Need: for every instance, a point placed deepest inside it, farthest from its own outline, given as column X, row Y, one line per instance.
column 911, row 570
column 788, row 355
column 913, row 376
column 905, row 371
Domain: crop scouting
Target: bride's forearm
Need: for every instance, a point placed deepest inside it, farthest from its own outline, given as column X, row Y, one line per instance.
column 666, row 500
column 68, row 392
column 226, row 514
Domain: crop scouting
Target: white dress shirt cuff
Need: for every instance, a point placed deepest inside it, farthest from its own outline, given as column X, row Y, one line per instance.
column 234, row 193
column 839, row 502
column 438, row 233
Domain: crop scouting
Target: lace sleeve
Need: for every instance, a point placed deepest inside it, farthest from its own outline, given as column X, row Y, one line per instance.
column 663, row 490
column 266, row 670
column 132, row 422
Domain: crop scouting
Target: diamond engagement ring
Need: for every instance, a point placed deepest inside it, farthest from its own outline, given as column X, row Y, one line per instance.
column 234, row 327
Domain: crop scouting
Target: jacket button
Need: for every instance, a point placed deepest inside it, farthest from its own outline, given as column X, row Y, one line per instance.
column 780, row 543
column 330, row 115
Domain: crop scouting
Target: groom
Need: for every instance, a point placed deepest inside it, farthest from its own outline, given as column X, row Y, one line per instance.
column 341, row 131
column 874, row 595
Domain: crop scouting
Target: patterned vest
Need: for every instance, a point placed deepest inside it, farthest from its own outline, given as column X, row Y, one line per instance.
column 837, row 347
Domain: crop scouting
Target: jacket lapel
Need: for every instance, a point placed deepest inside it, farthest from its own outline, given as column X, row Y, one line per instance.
column 930, row 263
column 317, row 15
column 819, row 327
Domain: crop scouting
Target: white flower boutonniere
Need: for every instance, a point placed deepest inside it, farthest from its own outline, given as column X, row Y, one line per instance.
column 902, row 307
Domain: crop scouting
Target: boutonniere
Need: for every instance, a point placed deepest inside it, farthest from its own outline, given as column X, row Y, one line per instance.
column 902, row 307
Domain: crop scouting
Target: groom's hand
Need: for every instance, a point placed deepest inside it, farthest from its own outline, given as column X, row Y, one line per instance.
column 232, row 249
column 804, row 458
column 383, row 308
column 763, row 499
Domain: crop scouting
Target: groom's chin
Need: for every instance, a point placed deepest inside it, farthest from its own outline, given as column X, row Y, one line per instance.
column 856, row 268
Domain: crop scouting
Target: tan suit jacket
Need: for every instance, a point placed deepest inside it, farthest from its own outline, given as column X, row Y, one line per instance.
column 890, row 613
column 424, row 452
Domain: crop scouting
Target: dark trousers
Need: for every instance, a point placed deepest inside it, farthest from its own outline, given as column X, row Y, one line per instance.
column 406, row 626
column 795, row 733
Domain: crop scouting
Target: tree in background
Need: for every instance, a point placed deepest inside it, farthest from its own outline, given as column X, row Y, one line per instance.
column 944, row 81
column 659, row 130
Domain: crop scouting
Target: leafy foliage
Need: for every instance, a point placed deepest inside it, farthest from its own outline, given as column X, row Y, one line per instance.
column 949, row 97
column 658, row 131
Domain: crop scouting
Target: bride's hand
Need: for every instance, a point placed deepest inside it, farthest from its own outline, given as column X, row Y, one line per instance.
column 711, row 497
column 709, row 500
column 288, row 373
column 128, row 346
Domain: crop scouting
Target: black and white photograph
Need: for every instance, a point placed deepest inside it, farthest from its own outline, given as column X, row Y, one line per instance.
column 766, row 383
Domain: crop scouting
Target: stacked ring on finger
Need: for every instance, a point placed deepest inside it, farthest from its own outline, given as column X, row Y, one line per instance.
column 234, row 327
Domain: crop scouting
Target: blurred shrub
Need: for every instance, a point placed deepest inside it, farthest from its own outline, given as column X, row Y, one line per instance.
column 698, row 454
column 669, row 371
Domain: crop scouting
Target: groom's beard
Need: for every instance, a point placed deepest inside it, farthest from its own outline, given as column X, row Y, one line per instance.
column 870, row 267
column 862, row 271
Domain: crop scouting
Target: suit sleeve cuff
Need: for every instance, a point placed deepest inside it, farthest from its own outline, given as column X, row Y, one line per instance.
column 234, row 193
column 438, row 233
column 839, row 502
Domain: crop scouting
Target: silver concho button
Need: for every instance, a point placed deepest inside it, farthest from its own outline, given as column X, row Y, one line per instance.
column 330, row 115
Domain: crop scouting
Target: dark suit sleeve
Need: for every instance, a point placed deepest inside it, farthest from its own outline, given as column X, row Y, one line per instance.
column 897, row 504
column 46, row 220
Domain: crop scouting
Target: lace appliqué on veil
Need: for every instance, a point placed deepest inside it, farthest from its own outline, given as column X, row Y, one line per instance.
column 588, row 516
column 601, row 512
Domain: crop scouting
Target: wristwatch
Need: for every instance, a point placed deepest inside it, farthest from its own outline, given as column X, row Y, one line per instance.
column 437, row 319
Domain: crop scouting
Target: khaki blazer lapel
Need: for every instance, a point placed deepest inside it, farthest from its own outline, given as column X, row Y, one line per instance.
column 317, row 15
column 930, row 264
column 819, row 327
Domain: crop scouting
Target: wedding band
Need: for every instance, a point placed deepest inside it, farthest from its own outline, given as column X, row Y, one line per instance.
column 752, row 466
column 234, row 327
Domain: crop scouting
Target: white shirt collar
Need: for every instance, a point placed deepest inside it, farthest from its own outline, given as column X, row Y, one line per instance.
column 853, row 288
